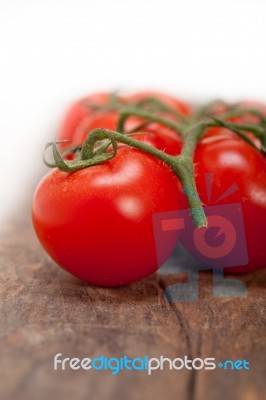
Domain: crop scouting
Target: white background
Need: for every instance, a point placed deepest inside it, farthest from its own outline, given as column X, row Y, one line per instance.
column 54, row 51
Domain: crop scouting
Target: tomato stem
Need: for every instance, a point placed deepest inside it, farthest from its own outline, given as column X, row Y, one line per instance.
column 191, row 129
column 135, row 112
column 207, row 109
column 154, row 105
column 182, row 166
column 238, row 112
column 257, row 131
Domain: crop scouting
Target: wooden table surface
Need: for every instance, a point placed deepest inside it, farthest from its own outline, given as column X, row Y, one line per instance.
column 45, row 311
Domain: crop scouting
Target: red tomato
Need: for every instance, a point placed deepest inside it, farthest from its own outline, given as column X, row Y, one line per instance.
column 106, row 120
column 223, row 133
column 171, row 145
column 156, row 135
column 161, row 137
column 247, row 118
column 80, row 111
column 96, row 223
column 169, row 101
column 250, row 118
column 234, row 162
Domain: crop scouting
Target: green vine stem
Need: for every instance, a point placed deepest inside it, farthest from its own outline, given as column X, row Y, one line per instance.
column 153, row 104
column 88, row 155
column 238, row 112
column 113, row 103
column 181, row 165
column 135, row 112
column 205, row 109
column 257, row 131
column 95, row 148
column 231, row 111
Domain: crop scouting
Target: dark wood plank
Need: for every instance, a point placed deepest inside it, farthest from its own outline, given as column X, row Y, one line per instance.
column 45, row 311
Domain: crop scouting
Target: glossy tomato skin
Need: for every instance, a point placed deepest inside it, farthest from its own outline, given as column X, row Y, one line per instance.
column 169, row 144
column 96, row 223
column 233, row 162
column 170, row 101
column 167, row 139
column 81, row 110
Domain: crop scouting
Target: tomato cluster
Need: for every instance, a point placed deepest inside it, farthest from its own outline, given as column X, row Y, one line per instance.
column 97, row 222
column 93, row 112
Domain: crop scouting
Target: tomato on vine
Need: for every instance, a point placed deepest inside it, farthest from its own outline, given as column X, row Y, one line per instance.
column 157, row 135
column 97, row 222
column 102, row 110
column 93, row 213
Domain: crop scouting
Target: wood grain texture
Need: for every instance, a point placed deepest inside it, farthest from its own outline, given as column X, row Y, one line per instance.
column 45, row 311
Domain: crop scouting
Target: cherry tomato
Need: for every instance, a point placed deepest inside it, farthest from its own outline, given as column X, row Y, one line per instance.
column 171, row 102
column 220, row 109
column 171, row 141
column 169, row 144
column 247, row 118
column 236, row 164
column 97, row 224
column 250, row 118
column 80, row 111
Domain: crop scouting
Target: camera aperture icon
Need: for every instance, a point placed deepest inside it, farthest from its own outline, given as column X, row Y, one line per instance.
column 222, row 244
column 219, row 231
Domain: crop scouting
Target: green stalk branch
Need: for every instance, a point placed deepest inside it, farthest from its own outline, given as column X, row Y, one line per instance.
column 95, row 149
column 135, row 112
